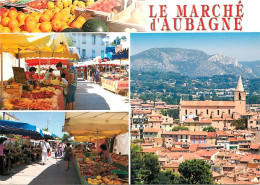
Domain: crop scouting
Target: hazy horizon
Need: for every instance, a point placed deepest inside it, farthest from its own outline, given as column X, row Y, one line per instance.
column 240, row 46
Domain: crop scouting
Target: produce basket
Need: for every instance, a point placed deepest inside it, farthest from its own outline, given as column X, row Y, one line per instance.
column 120, row 173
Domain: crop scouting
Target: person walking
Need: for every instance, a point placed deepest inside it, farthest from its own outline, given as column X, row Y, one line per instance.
column 72, row 86
column 45, row 151
column 67, row 155
column 60, row 150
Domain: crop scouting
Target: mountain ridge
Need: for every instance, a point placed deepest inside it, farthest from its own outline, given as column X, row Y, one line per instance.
column 190, row 62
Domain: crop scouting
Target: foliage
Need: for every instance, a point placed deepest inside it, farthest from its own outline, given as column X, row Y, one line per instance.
column 240, row 124
column 123, row 38
column 177, row 128
column 195, row 171
column 45, row 129
column 70, row 41
column 138, row 141
column 174, row 113
column 65, row 137
column 209, row 129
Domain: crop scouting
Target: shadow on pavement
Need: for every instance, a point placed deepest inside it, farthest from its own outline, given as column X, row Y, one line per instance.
column 92, row 101
column 56, row 174
column 17, row 170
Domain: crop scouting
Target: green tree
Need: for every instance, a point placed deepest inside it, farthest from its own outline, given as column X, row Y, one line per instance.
column 163, row 112
column 70, row 42
column 190, row 97
column 202, row 97
column 240, row 124
column 123, row 38
column 209, row 129
column 195, row 171
column 65, row 137
column 177, row 128
column 174, row 113
column 45, row 129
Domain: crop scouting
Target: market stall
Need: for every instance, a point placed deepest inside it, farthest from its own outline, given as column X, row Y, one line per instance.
column 72, row 16
column 99, row 128
column 45, row 94
column 21, row 149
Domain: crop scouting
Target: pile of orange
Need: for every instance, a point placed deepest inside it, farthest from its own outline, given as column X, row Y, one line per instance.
column 57, row 17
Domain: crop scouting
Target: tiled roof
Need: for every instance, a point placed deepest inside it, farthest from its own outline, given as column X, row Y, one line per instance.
column 171, row 165
column 206, row 153
column 193, row 147
column 204, row 133
column 254, row 146
column 221, row 133
column 141, row 111
column 152, row 130
column 207, row 103
column 180, row 132
column 211, row 134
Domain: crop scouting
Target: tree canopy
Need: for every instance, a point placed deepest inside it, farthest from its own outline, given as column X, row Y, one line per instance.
column 209, row 129
column 177, row 128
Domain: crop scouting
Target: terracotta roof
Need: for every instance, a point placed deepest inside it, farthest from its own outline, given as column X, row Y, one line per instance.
column 204, row 133
column 254, row 146
column 159, row 106
column 216, row 174
column 221, row 133
column 173, row 149
column 190, row 120
column 233, row 139
column 135, row 103
column 211, row 134
column 246, row 158
column 205, row 145
column 151, row 130
column 177, row 155
column 205, row 121
column 207, row 103
column 241, row 139
column 206, row 153
column 141, row 111
column 193, row 147
column 171, row 165
column 180, row 132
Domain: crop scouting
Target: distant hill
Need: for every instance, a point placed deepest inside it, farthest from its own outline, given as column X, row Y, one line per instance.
column 254, row 65
column 190, row 62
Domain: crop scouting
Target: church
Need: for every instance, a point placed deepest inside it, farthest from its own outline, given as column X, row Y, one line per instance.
column 199, row 114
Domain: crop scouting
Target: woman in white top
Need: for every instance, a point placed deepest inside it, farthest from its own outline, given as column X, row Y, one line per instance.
column 45, row 151
column 48, row 74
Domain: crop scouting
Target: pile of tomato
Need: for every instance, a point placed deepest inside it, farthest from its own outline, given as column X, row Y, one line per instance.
column 106, row 5
column 39, row 4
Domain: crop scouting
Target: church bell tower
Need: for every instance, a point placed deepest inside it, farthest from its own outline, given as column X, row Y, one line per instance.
column 240, row 97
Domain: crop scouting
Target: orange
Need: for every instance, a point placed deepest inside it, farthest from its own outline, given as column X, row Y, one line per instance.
column 21, row 23
column 45, row 18
column 56, row 9
column 36, row 30
column 13, row 23
column 81, row 19
column 5, row 21
column 6, row 30
column 50, row 5
column 30, row 18
column 21, row 17
column 59, row 5
column 45, row 27
column 64, row 15
column 16, row 30
column 57, row 16
column 5, row 14
column 76, row 24
column 56, row 24
column 49, row 13
column 64, row 26
column 30, row 25
column 12, row 14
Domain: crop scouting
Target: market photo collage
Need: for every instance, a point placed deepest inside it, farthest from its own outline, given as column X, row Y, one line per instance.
column 88, row 96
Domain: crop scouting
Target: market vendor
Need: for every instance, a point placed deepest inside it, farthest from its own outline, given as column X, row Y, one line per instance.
column 49, row 74
column 30, row 76
column 105, row 155
column 63, row 71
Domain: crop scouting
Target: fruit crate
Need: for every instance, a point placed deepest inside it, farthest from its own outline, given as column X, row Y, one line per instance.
column 30, row 10
column 14, row 90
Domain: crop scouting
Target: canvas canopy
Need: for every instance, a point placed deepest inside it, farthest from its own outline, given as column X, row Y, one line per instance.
column 95, row 125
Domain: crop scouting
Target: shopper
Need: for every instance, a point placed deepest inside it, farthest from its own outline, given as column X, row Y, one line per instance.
column 67, row 155
column 60, row 150
column 105, row 155
column 45, row 151
column 49, row 74
column 1, row 157
column 72, row 86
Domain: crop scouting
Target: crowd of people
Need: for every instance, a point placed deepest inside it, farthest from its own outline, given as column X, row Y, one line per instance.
column 68, row 74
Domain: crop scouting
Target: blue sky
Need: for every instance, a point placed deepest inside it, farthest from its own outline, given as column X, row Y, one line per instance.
column 39, row 119
column 241, row 46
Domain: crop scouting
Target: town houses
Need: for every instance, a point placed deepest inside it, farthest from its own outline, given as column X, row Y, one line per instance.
column 234, row 155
